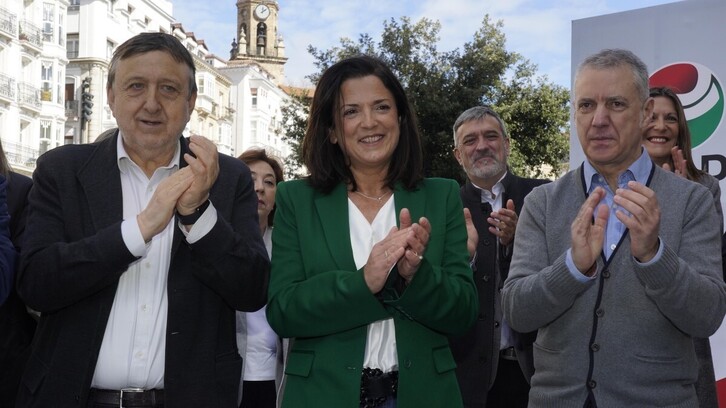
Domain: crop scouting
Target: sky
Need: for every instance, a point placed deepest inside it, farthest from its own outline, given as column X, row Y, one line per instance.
column 539, row 30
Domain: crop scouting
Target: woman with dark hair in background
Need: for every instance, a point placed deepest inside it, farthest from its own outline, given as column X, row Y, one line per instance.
column 258, row 344
column 668, row 141
column 17, row 326
column 370, row 269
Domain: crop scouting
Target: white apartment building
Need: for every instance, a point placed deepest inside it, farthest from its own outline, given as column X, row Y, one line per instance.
column 49, row 47
column 258, row 123
column 32, row 71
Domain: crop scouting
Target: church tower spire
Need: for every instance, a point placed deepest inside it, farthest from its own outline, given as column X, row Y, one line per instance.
column 257, row 37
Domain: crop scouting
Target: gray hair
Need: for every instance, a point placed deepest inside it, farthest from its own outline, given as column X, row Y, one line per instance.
column 613, row 58
column 153, row 41
column 478, row 113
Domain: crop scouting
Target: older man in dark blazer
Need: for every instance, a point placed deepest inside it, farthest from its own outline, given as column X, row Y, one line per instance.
column 138, row 251
column 494, row 363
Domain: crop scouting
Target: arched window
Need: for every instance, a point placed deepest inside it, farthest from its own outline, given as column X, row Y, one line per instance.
column 261, row 38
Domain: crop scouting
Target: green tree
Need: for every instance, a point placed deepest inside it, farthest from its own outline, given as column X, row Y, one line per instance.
column 294, row 113
column 441, row 85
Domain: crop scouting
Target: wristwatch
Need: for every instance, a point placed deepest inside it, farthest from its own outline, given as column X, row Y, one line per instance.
column 190, row 219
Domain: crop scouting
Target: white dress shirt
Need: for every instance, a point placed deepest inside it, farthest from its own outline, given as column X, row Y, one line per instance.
column 260, row 353
column 134, row 344
column 381, row 340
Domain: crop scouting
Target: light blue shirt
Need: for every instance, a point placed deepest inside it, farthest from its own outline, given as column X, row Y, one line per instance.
column 638, row 171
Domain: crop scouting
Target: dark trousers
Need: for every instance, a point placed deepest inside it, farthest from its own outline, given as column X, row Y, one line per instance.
column 510, row 388
column 258, row 394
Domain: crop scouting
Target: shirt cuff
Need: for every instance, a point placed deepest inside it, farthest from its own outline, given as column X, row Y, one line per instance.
column 204, row 224
column 131, row 234
column 574, row 271
column 656, row 258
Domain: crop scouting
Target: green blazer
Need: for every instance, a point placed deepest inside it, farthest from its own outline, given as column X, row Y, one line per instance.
column 318, row 297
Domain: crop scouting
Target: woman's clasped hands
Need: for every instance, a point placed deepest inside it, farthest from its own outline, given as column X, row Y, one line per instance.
column 404, row 246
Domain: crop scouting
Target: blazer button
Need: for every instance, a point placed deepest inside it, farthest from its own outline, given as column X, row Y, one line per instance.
column 595, row 347
column 606, row 274
column 591, row 384
column 487, row 242
column 485, row 278
column 599, row 313
column 496, row 324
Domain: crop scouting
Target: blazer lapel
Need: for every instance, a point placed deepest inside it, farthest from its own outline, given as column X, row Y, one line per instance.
column 332, row 210
column 101, row 181
column 414, row 200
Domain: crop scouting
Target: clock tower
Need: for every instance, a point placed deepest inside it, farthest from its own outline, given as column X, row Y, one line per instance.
column 257, row 38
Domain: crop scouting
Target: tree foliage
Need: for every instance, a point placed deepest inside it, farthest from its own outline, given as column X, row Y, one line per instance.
column 441, row 85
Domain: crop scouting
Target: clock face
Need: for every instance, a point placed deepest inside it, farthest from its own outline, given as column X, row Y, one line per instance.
column 262, row 12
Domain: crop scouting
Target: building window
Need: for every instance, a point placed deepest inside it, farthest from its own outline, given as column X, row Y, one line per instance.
column 46, row 73
column 59, row 87
column 48, row 19
column 261, row 38
column 109, row 49
column 254, row 97
column 200, row 84
column 44, row 135
column 61, row 33
column 72, row 46
column 75, row 3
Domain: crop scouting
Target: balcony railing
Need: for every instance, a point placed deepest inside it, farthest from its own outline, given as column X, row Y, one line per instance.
column 31, row 33
column 7, row 87
column 19, row 154
column 29, row 95
column 8, row 24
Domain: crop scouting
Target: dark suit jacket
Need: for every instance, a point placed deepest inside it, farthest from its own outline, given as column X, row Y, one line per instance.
column 477, row 352
column 16, row 325
column 7, row 250
column 74, row 255
column 318, row 297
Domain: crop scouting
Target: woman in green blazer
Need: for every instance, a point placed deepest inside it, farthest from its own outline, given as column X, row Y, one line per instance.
column 370, row 267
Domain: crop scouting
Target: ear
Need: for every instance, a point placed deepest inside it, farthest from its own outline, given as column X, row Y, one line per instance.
column 647, row 110
column 332, row 137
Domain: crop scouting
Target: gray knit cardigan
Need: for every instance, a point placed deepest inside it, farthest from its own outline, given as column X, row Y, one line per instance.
column 625, row 338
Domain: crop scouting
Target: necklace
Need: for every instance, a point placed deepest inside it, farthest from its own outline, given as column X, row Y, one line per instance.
column 373, row 198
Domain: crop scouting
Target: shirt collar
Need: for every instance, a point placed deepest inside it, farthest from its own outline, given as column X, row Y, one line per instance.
column 123, row 160
column 640, row 170
column 497, row 189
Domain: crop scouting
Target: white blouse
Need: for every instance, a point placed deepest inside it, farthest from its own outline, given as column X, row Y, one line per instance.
column 381, row 340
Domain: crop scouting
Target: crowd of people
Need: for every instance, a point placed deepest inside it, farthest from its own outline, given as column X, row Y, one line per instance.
column 143, row 270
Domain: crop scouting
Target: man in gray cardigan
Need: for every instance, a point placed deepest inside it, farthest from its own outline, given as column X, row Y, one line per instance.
column 617, row 263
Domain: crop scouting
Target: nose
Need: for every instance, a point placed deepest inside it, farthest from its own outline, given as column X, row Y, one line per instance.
column 151, row 104
column 368, row 118
column 657, row 123
column 482, row 143
column 601, row 116
column 259, row 186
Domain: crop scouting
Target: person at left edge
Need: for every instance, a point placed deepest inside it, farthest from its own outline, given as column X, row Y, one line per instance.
column 369, row 259
column 139, row 249
column 7, row 250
